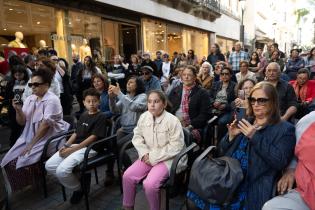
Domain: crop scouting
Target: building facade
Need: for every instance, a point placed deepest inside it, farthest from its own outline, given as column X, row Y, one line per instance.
column 120, row 26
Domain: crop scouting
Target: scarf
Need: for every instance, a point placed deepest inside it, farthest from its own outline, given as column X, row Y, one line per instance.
column 185, row 110
column 305, row 170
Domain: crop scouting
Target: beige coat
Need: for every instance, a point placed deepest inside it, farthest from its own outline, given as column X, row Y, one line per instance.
column 163, row 138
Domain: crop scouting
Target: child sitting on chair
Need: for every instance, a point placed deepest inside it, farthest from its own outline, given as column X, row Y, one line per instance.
column 90, row 127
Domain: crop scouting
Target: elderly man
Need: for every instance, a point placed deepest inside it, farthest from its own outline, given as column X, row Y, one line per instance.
column 148, row 62
column 237, row 56
column 150, row 81
column 286, row 94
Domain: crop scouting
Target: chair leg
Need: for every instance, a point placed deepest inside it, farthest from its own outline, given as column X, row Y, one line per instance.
column 96, row 176
column 63, row 189
column 119, row 178
column 84, row 188
column 167, row 199
column 45, row 185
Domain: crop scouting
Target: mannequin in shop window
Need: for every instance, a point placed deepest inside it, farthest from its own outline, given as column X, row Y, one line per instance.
column 17, row 43
column 85, row 50
column 42, row 45
column 108, row 51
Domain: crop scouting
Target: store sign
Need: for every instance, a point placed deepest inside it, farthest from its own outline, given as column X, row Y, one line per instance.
column 56, row 37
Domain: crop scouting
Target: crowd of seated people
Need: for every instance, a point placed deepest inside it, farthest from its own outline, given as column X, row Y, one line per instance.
column 149, row 102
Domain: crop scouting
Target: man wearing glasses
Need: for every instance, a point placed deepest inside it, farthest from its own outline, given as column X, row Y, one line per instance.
column 150, row 81
column 286, row 94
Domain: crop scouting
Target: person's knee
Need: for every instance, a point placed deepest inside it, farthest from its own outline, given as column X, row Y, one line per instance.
column 50, row 167
column 127, row 177
column 62, row 172
column 270, row 205
column 150, row 185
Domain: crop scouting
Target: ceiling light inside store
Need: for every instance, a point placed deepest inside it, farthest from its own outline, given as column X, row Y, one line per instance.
column 70, row 23
column 128, row 32
column 4, row 29
column 10, row 9
column 38, row 22
column 160, row 25
column 20, row 26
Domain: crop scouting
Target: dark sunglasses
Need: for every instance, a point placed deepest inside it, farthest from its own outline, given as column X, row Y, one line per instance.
column 260, row 101
column 35, row 84
column 224, row 74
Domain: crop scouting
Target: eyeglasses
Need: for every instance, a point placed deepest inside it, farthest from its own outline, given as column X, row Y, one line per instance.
column 225, row 74
column 260, row 101
column 35, row 84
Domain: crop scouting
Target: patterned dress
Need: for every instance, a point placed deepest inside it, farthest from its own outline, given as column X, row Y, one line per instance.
column 241, row 154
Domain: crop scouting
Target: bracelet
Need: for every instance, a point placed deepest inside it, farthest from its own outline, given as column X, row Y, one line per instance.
column 67, row 145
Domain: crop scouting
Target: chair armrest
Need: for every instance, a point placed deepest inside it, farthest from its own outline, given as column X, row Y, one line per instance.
column 55, row 138
column 98, row 142
column 122, row 151
column 212, row 120
column 176, row 161
column 205, row 153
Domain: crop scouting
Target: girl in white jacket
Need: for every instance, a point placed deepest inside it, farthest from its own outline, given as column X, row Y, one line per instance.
column 158, row 138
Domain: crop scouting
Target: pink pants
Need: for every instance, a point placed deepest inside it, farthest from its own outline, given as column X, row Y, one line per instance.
column 155, row 176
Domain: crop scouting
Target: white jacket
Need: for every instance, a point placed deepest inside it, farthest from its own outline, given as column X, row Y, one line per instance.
column 163, row 139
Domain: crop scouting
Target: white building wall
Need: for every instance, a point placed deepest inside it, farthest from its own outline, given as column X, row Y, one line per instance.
column 224, row 26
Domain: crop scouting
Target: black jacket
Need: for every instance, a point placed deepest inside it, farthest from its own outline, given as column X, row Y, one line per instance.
column 230, row 91
column 199, row 105
column 156, row 72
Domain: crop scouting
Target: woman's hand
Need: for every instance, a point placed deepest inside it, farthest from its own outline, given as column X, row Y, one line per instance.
column 114, row 89
column 17, row 106
column 233, row 130
column 239, row 102
column 216, row 104
column 146, row 159
column 286, row 182
column 246, row 128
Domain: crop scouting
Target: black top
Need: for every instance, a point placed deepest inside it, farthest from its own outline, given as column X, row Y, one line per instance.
column 91, row 124
column 286, row 96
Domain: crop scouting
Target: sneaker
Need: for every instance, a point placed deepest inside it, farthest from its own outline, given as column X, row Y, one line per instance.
column 76, row 197
column 109, row 180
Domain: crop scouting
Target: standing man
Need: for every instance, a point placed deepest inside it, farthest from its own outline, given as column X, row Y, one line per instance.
column 237, row 56
column 158, row 60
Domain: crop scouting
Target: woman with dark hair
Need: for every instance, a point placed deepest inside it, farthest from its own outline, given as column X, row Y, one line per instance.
column 117, row 72
column 41, row 115
column 222, row 95
column 262, row 143
column 84, row 79
column 215, row 55
column 100, row 83
column 254, row 62
column 310, row 62
column 192, row 58
column 130, row 107
column 14, row 91
column 191, row 103
column 134, row 66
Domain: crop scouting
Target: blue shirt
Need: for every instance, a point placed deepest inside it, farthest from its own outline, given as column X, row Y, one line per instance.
column 152, row 84
column 235, row 58
column 104, row 106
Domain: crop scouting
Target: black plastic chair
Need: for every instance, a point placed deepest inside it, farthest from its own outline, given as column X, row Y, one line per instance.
column 210, row 133
column 174, row 182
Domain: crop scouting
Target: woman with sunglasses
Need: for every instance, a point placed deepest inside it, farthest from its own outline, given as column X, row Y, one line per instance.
column 263, row 144
column 41, row 116
column 222, row 95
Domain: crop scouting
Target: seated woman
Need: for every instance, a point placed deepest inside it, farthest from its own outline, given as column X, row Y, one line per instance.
column 41, row 116
column 191, row 103
column 222, row 95
column 130, row 107
column 117, row 72
column 205, row 75
column 300, row 170
column 156, row 151
column 305, row 92
column 243, row 91
column 100, row 83
column 263, row 144
column 244, row 72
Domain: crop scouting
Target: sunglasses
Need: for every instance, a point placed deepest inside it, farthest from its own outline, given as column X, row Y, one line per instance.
column 260, row 101
column 224, row 74
column 35, row 84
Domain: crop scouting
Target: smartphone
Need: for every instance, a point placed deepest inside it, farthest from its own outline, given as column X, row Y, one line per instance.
column 241, row 94
column 240, row 113
column 113, row 82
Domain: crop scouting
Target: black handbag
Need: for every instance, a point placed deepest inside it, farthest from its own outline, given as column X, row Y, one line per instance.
column 216, row 180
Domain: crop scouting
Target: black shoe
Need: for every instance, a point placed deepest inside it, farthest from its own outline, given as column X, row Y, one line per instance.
column 109, row 180
column 76, row 197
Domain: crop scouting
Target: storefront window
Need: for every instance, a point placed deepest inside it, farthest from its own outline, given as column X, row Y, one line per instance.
column 225, row 44
column 170, row 38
